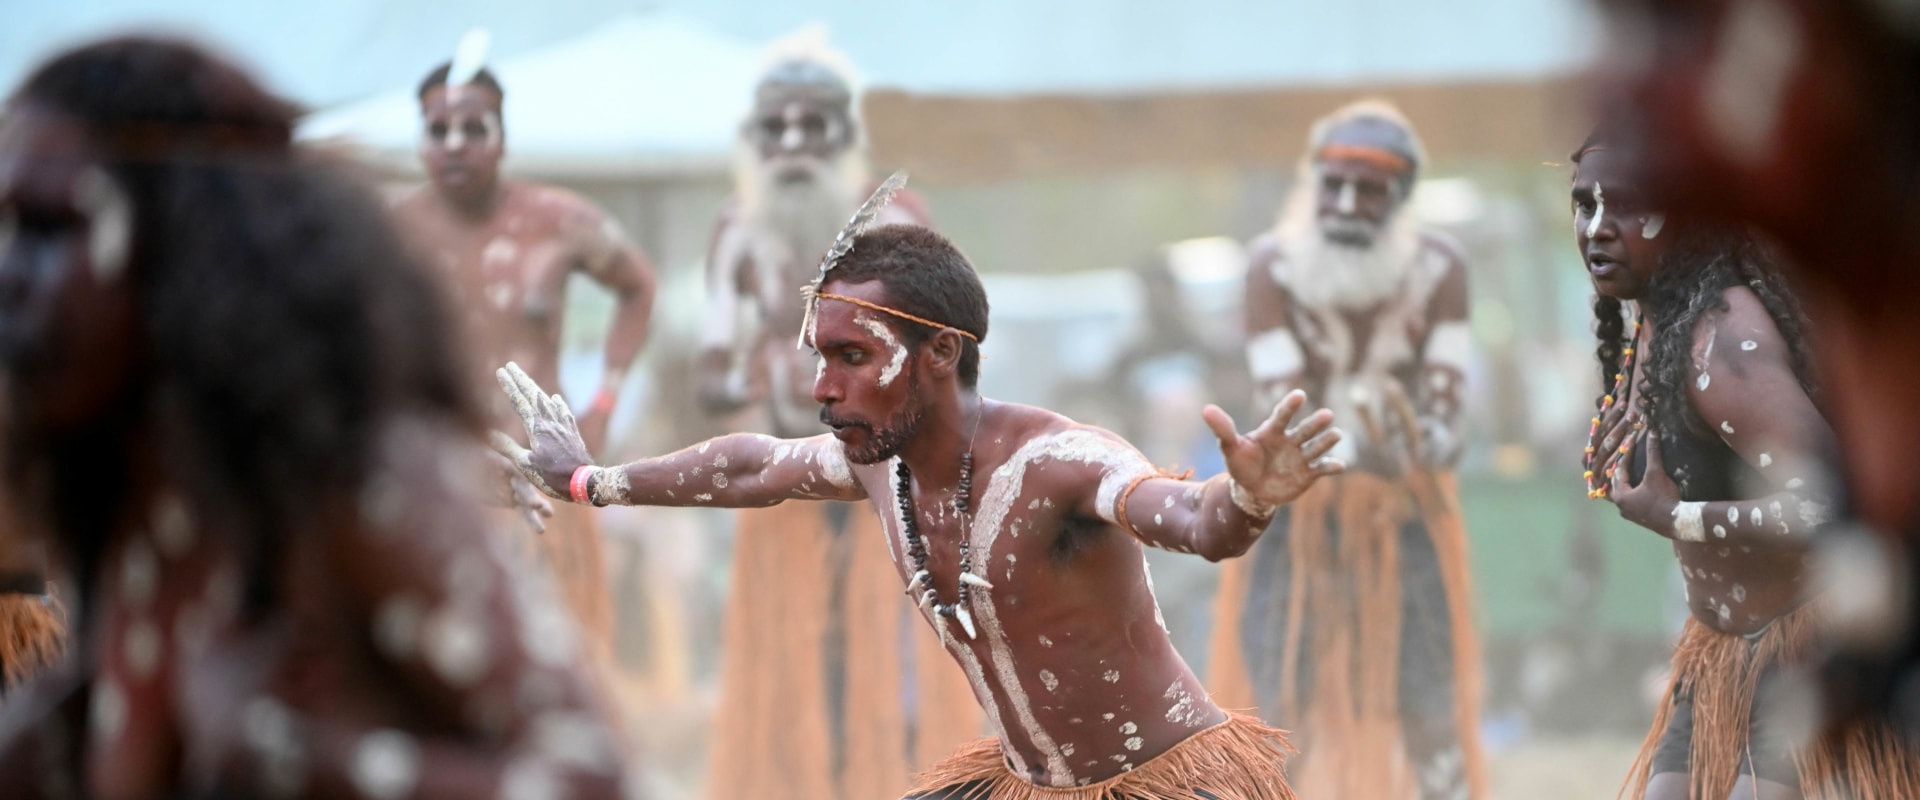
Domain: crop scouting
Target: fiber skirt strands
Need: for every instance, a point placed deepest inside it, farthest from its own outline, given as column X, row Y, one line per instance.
column 1723, row 672
column 1240, row 759
column 1345, row 575
column 830, row 685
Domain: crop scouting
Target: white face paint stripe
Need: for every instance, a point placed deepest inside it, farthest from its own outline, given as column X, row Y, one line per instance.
column 109, row 222
column 1274, row 354
column 1347, row 202
column 884, row 333
column 1599, row 211
column 1651, row 225
column 1449, row 344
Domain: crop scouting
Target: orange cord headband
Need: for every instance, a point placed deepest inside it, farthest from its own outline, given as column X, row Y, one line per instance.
column 1384, row 159
column 901, row 314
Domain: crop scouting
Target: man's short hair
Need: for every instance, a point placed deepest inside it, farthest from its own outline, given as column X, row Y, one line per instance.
column 438, row 78
column 927, row 276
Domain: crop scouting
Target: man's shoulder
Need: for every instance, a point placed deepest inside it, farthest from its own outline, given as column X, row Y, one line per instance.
column 1037, row 434
column 1439, row 245
column 553, row 202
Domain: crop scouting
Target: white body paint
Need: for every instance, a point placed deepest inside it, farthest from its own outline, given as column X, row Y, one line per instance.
column 1651, row 225
column 898, row 351
column 1449, row 344
column 1273, row 355
column 1687, row 526
column 109, row 222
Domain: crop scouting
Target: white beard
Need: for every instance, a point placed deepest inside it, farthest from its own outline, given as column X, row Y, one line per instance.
column 802, row 218
column 1322, row 273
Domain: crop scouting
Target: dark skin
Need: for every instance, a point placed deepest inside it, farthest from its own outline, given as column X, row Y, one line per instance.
column 1356, row 198
column 1745, row 570
column 1069, row 660
column 509, row 247
column 158, row 702
column 1850, row 228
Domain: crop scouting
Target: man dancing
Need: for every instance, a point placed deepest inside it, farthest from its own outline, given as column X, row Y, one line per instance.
column 807, row 619
column 1034, row 578
column 1350, row 622
column 507, row 249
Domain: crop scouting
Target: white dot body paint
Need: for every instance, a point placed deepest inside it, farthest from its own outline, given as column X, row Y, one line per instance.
column 1759, row 48
column 1726, row 427
column 1111, row 676
column 1733, row 516
column 1704, row 381
column 144, row 647
column 107, row 713
column 1599, row 210
column 1766, row 460
column 1651, row 224
column 1129, row 728
column 386, row 765
column 1133, row 743
column 1045, row 642
column 1796, row 483
column 456, row 646
column 1757, row 517
column 1686, row 522
column 139, row 574
column 1749, row 345
column 898, row 351
column 1048, row 680
column 1720, row 531
column 1739, row 593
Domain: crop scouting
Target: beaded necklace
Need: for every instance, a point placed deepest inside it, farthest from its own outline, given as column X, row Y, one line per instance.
column 917, row 546
column 1599, row 491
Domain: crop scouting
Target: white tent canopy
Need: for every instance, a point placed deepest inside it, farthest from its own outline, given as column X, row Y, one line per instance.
column 640, row 95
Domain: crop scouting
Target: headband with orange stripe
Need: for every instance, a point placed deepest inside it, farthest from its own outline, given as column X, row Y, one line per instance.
column 895, row 312
column 1384, row 159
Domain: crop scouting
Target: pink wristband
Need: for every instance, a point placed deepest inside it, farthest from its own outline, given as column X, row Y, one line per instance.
column 577, row 486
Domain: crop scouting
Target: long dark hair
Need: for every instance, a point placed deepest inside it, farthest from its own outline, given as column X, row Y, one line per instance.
column 1690, row 282
column 281, row 321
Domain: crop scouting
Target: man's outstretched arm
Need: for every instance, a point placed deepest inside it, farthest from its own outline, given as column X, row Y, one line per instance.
column 1222, row 517
column 735, row 471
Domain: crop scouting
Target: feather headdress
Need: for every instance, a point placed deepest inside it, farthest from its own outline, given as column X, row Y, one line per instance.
column 469, row 57
column 842, row 244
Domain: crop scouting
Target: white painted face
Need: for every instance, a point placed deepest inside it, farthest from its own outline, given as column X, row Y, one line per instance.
column 897, row 351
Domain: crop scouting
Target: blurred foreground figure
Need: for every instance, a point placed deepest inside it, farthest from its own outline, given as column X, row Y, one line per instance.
column 1707, row 434
column 234, row 404
column 1802, row 117
column 1035, row 579
column 1351, row 621
column 809, row 617
column 507, row 249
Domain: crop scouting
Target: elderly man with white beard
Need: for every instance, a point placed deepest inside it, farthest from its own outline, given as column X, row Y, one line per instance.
column 818, row 656
column 1349, row 622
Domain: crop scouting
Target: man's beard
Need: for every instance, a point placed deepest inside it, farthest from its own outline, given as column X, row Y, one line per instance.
column 1327, row 270
column 805, row 213
column 885, row 442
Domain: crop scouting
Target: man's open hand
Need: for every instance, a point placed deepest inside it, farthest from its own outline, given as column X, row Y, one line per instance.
column 555, row 448
column 1276, row 463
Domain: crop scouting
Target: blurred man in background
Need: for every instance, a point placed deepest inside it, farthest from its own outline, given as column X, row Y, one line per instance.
column 1800, row 116
column 1350, row 623
column 507, row 249
column 810, row 616
column 238, row 410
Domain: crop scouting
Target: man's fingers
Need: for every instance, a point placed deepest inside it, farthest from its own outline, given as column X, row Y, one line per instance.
column 1221, row 424
column 1283, row 411
column 506, row 446
column 522, row 405
column 1321, row 445
column 1315, row 424
column 1328, row 467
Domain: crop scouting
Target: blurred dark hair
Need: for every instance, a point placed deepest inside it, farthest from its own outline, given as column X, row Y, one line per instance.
column 438, row 78
column 927, row 276
column 282, row 322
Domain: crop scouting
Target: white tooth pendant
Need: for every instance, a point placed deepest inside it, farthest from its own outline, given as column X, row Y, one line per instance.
column 927, row 603
column 940, row 627
column 968, row 577
column 966, row 620
column 920, row 580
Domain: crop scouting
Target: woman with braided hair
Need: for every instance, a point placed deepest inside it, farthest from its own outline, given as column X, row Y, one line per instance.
column 1708, row 434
